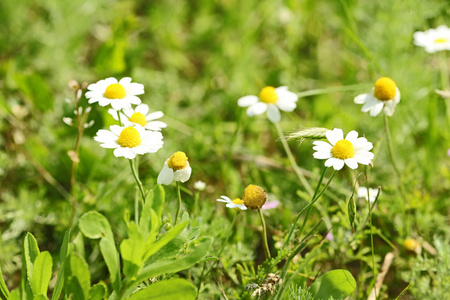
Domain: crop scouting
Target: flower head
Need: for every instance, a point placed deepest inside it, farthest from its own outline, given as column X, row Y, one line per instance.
column 351, row 150
column 385, row 94
column 271, row 100
column 140, row 115
column 254, row 196
column 129, row 141
column 236, row 203
column 176, row 168
column 370, row 196
column 433, row 40
column 199, row 185
column 119, row 94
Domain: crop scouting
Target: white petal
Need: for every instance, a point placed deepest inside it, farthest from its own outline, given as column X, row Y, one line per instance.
column 286, row 104
column 183, row 175
column 273, row 113
column 134, row 100
column 283, row 94
column 224, row 199
column 165, row 176
column 135, row 89
column 142, row 108
column 247, row 100
column 322, row 144
column 256, row 109
column 105, row 136
column 322, row 155
column 351, row 163
column 125, row 81
column 334, row 135
column 352, row 136
column 339, row 164
column 376, row 109
column 363, row 98
column 116, row 129
column 154, row 115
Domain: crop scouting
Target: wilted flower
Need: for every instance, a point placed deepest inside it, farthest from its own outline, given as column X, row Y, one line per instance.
column 176, row 168
column 254, row 196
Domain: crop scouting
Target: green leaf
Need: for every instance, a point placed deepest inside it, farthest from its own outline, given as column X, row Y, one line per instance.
column 15, row 295
column 111, row 257
column 42, row 273
column 159, row 196
column 97, row 292
column 36, row 89
column 94, row 225
column 351, row 207
column 337, row 283
column 77, row 278
column 40, row 297
column 167, row 290
column 30, row 252
column 63, row 253
column 193, row 233
column 132, row 251
column 170, row 235
column 4, row 292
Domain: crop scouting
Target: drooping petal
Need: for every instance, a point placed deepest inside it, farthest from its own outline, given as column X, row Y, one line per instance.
column 376, row 109
column 165, row 176
column 273, row 113
column 351, row 163
column 256, row 109
column 183, row 175
column 363, row 98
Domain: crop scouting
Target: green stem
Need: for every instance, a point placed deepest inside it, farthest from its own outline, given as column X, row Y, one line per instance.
column 141, row 189
column 177, row 215
column 444, row 71
column 330, row 90
column 266, row 245
column 373, row 253
column 292, row 160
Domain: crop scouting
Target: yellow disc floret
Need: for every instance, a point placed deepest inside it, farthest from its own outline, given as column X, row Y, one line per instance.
column 238, row 201
column 115, row 91
column 439, row 41
column 412, row 246
column 254, row 196
column 268, row 95
column 385, row 89
column 138, row 118
column 178, row 161
column 343, row 149
column 129, row 138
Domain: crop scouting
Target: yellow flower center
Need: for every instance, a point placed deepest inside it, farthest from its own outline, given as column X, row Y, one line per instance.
column 129, row 138
column 115, row 91
column 385, row 89
column 254, row 196
column 441, row 40
column 138, row 118
column 238, row 201
column 343, row 149
column 268, row 95
column 178, row 161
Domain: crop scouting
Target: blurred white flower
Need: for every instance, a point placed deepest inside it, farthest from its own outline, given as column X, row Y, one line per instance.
column 176, row 168
column 129, row 141
column 236, row 203
column 140, row 115
column 200, row 185
column 119, row 94
column 271, row 100
column 371, row 196
column 433, row 40
column 351, row 150
column 385, row 94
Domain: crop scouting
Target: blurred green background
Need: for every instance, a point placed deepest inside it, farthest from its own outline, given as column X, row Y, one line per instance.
column 195, row 59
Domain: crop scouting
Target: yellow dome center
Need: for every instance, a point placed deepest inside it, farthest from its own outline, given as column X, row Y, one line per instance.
column 268, row 95
column 115, row 91
column 238, row 201
column 129, row 138
column 254, row 196
column 343, row 149
column 385, row 89
column 138, row 118
column 439, row 41
column 178, row 161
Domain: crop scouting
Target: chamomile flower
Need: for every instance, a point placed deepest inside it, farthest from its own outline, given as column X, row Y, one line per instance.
column 176, row 168
column 129, row 141
column 254, row 196
column 271, row 100
column 140, row 115
column 339, row 151
column 372, row 194
column 385, row 94
column 433, row 40
column 119, row 94
column 236, row 203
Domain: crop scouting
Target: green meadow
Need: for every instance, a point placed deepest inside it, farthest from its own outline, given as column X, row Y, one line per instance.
column 79, row 222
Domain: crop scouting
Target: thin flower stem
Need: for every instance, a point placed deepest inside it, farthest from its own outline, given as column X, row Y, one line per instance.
column 266, row 245
column 373, row 254
column 141, row 189
column 177, row 215
column 292, row 160
column 136, row 198
column 331, row 90
column 445, row 85
column 301, row 212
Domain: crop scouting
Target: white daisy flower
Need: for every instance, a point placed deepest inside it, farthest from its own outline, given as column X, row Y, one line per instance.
column 362, row 193
column 129, row 141
column 433, row 40
column 119, row 94
column 176, row 168
column 140, row 115
column 200, row 185
column 385, row 94
column 271, row 100
column 351, row 150
column 236, row 203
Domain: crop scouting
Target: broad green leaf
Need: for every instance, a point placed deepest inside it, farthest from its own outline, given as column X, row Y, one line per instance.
column 159, row 196
column 351, row 207
column 63, row 253
column 97, row 292
column 337, row 283
column 4, row 292
column 111, row 257
column 167, row 290
column 185, row 217
column 193, row 234
column 40, row 297
column 30, row 252
column 170, row 235
column 132, row 251
column 15, row 295
column 42, row 273
column 36, row 89
column 94, row 225
column 77, row 278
